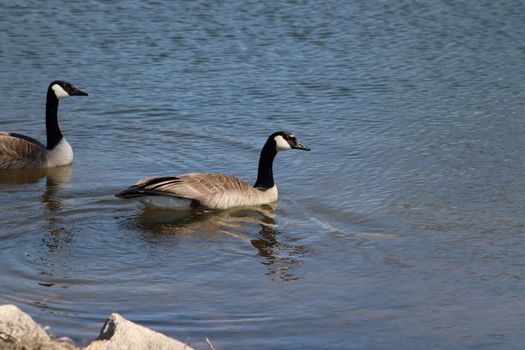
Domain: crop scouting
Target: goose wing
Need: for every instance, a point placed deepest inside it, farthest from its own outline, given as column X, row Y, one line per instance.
column 19, row 151
column 207, row 190
column 194, row 186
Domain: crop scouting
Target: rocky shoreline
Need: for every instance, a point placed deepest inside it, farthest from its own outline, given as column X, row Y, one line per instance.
column 18, row 331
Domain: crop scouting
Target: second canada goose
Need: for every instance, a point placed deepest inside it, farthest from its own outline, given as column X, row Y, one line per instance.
column 22, row 152
column 215, row 191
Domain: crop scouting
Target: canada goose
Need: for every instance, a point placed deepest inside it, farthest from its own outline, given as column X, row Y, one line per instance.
column 215, row 191
column 22, row 152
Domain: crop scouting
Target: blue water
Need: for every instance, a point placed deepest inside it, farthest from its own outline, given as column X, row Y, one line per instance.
column 402, row 229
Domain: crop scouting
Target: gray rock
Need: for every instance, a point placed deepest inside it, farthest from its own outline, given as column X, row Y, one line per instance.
column 19, row 331
column 121, row 334
column 16, row 326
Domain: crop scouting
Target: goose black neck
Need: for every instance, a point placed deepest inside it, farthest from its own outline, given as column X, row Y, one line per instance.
column 265, row 173
column 53, row 131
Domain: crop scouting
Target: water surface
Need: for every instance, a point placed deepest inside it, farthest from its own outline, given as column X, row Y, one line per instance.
column 402, row 229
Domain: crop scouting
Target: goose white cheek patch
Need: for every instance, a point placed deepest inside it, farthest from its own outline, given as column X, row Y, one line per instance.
column 281, row 144
column 60, row 93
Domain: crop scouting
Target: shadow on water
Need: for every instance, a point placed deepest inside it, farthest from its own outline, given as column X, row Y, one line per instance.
column 278, row 251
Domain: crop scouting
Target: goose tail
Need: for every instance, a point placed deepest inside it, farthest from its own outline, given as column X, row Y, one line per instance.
column 131, row 192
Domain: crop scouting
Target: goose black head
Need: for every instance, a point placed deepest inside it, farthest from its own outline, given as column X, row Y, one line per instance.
column 63, row 89
column 285, row 141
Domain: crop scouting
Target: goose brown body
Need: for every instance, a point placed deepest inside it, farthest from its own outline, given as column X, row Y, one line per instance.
column 215, row 191
column 18, row 153
column 209, row 191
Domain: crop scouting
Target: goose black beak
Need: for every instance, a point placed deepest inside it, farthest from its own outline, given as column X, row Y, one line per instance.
column 78, row 92
column 301, row 147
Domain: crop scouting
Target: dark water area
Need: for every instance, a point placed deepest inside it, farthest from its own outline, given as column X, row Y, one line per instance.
column 402, row 229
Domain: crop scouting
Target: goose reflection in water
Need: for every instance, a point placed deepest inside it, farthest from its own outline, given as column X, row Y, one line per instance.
column 279, row 252
column 57, row 178
column 59, row 234
column 254, row 225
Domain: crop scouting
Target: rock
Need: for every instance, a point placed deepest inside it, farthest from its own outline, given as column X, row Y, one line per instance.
column 19, row 331
column 17, row 325
column 121, row 334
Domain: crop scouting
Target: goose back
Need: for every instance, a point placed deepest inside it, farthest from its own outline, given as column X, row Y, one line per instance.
column 212, row 191
column 20, row 152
